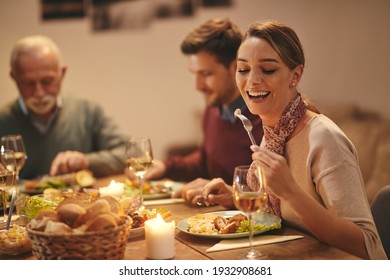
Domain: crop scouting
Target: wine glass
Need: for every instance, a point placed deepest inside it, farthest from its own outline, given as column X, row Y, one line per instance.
column 139, row 158
column 16, row 144
column 7, row 176
column 249, row 199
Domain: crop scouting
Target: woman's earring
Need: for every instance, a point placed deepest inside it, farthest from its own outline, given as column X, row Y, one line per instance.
column 293, row 84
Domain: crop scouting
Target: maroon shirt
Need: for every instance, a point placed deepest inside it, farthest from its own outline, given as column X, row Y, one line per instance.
column 226, row 145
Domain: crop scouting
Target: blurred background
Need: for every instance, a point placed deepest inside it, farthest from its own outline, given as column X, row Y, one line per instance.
column 126, row 56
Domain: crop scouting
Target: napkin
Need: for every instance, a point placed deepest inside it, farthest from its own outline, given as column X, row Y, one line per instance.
column 228, row 244
column 163, row 201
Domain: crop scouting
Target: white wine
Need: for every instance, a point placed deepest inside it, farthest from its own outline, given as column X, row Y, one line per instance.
column 250, row 201
column 20, row 158
column 7, row 178
column 139, row 165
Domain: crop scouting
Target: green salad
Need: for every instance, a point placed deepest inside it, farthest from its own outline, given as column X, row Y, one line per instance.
column 35, row 204
column 244, row 227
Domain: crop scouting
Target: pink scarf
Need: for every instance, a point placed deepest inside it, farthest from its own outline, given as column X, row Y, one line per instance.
column 275, row 141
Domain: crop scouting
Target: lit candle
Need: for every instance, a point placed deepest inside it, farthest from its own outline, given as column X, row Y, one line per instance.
column 113, row 189
column 160, row 239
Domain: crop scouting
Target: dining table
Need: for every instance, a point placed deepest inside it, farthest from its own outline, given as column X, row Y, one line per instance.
column 194, row 247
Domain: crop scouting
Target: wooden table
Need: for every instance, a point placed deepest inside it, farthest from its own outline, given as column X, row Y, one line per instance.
column 189, row 247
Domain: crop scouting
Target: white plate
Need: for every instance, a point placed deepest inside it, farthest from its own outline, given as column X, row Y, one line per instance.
column 173, row 186
column 267, row 219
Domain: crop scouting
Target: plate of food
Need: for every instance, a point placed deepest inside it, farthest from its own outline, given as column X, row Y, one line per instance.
column 156, row 189
column 82, row 178
column 141, row 215
column 228, row 224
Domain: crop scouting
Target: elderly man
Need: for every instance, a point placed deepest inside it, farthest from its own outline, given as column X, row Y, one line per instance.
column 62, row 134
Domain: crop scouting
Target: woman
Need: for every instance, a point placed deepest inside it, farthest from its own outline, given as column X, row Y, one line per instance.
column 309, row 165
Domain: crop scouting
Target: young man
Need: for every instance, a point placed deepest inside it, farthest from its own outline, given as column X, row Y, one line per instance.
column 211, row 51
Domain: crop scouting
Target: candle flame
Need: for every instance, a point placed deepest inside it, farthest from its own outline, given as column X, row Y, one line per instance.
column 159, row 217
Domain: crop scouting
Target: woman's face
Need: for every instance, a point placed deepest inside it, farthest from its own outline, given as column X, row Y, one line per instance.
column 264, row 80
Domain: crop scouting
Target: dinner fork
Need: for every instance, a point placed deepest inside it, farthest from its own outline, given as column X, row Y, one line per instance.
column 247, row 124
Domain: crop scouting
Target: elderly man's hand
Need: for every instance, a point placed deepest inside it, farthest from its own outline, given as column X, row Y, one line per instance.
column 67, row 162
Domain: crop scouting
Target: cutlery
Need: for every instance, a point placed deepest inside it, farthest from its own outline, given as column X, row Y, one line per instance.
column 11, row 209
column 247, row 124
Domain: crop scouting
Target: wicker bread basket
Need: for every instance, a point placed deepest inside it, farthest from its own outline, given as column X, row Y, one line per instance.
column 95, row 245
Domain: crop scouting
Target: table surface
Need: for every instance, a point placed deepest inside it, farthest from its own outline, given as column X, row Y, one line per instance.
column 189, row 247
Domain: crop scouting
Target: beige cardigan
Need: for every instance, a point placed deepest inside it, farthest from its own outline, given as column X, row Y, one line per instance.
column 324, row 162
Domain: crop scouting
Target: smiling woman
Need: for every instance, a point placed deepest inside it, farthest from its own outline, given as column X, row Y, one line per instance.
column 303, row 151
column 309, row 166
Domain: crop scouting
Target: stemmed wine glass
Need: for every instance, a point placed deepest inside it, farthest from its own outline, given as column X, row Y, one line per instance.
column 139, row 157
column 7, row 176
column 16, row 144
column 249, row 199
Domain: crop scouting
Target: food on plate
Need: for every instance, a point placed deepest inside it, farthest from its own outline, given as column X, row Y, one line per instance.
column 14, row 241
column 149, row 187
column 141, row 215
column 83, row 178
column 74, row 218
column 46, row 183
column 213, row 224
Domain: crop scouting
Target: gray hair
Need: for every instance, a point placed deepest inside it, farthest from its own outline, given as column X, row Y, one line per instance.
column 35, row 43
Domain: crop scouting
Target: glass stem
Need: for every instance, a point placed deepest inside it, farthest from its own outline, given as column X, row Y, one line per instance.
column 141, row 183
column 250, row 218
column 17, row 177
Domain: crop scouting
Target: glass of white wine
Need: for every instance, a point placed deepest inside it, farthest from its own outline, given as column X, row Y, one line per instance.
column 249, row 199
column 139, row 158
column 7, row 176
column 16, row 144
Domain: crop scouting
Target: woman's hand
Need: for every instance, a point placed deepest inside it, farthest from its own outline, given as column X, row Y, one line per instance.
column 276, row 173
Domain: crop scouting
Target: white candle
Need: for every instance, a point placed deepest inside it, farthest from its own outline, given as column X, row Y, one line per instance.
column 113, row 189
column 160, row 239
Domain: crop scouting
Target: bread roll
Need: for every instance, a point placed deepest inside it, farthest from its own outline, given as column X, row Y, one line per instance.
column 57, row 227
column 99, row 206
column 51, row 214
column 101, row 222
column 69, row 213
column 114, row 204
column 40, row 221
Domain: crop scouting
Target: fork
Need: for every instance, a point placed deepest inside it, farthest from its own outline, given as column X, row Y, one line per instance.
column 247, row 124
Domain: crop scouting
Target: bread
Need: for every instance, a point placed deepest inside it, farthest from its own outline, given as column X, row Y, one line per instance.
column 41, row 220
column 72, row 217
column 114, row 204
column 99, row 206
column 57, row 227
column 69, row 213
column 101, row 222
